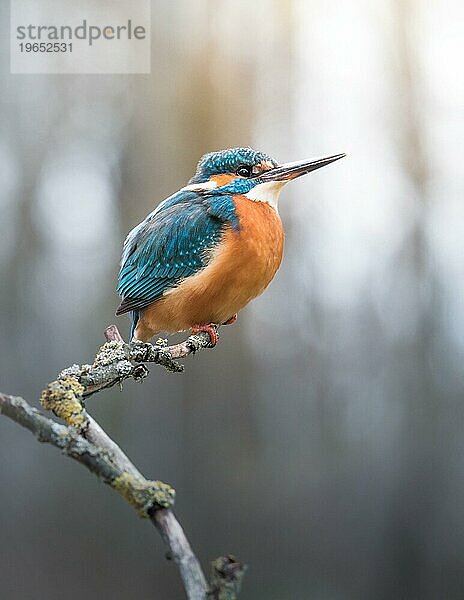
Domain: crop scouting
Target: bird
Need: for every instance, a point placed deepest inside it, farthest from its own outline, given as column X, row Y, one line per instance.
column 209, row 249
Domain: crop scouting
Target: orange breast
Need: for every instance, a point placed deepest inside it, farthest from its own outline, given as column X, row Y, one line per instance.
column 239, row 270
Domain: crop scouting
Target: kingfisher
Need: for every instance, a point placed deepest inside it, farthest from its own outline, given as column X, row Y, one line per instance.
column 209, row 249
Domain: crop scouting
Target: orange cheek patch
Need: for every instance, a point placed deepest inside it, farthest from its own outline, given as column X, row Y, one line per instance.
column 223, row 179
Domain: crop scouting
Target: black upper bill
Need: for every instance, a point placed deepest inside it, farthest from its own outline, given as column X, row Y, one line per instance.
column 293, row 170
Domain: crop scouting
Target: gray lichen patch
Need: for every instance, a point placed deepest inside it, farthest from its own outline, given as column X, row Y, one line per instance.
column 142, row 351
column 144, row 495
column 72, row 371
column 110, row 353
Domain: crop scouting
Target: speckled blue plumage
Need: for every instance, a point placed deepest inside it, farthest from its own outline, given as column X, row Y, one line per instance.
column 172, row 243
column 227, row 161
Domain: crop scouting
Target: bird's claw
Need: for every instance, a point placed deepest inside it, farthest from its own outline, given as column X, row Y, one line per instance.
column 210, row 329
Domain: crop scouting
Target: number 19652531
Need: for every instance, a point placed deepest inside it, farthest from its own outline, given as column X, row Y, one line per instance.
column 45, row 47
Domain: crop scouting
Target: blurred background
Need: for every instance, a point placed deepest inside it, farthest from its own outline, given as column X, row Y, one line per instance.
column 322, row 440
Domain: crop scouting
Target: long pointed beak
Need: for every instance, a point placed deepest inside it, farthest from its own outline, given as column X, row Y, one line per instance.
column 292, row 170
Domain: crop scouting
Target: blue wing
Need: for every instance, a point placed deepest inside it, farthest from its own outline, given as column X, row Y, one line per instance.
column 172, row 243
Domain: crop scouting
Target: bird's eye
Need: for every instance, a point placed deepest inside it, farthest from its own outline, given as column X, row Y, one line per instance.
column 244, row 171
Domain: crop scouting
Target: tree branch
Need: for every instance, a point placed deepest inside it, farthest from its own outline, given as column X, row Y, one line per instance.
column 144, row 495
column 114, row 361
column 84, row 440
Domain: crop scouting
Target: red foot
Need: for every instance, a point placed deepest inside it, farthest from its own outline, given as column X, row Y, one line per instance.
column 231, row 321
column 210, row 328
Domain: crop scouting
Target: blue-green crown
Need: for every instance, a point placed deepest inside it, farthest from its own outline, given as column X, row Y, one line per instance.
column 227, row 161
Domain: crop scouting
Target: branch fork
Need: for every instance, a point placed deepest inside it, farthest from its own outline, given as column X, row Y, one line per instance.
column 84, row 440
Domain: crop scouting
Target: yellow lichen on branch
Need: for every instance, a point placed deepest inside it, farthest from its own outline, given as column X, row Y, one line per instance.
column 64, row 398
column 143, row 494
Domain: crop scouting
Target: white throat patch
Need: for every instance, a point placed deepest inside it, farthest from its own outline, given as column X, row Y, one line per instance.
column 268, row 192
column 206, row 185
column 193, row 187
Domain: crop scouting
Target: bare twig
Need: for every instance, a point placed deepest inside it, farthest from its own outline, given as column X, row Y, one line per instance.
column 84, row 440
column 181, row 553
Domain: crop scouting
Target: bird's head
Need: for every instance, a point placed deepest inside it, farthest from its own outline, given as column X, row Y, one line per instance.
column 253, row 174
